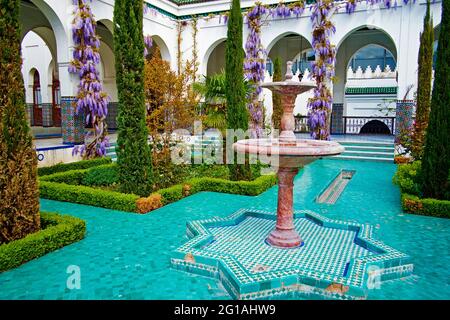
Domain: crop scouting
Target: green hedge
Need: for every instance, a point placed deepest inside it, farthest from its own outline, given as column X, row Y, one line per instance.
column 428, row 207
column 57, row 231
column 87, row 195
column 249, row 188
column 104, row 175
column 74, row 177
column 407, row 177
column 84, row 164
column 127, row 202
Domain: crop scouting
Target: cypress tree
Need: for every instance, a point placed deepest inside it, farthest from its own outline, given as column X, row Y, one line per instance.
column 436, row 158
column 133, row 152
column 237, row 114
column 19, row 193
column 276, row 97
column 424, row 85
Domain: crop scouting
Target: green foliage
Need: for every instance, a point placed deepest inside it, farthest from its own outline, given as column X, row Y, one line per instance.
column 172, row 194
column 408, row 176
column 84, row 164
column 133, row 152
column 87, row 195
column 74, row 177
column 106, row 175
column 57, row 231
column 249, row 188
column 276, row 97
column 436, row 158
column 237, row 114
column 19, row 194
column 427, row 207
column 423, row 85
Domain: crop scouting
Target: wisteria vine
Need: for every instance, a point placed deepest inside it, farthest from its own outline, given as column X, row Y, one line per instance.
column 91, row 99
column 319, row 106
column 254, row 66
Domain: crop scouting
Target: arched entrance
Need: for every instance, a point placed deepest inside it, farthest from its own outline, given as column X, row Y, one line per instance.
column 37, row 99
column 216, row 59
column 375, row 127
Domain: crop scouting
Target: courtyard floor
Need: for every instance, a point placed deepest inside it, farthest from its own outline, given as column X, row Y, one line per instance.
column 127, row 256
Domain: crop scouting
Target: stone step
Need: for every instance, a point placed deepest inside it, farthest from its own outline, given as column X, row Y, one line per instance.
column 367, row 144
column 370, row 148
column 343, row 157
column 368, row 154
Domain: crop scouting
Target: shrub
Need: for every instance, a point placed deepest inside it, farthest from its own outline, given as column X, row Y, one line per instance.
column 19, row 194
column 134, row 158
column 407, row 177
column 250, row 188
column 87, row 195
column 57, row 231
column 171, row 194
column 428, row 207
column 74, row 177
column 84, row 164
column 150, row 203
column 104, row 175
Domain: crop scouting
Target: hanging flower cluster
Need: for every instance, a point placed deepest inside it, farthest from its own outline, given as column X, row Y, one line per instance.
column 91, row 99
column 322, row 69
column 254, row 66
column 148, row 44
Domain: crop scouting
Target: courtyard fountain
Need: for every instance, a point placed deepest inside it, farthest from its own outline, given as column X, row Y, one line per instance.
column 292, row 154
column 306, row 253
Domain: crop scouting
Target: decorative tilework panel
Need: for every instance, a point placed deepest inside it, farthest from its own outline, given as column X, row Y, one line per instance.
column 337, row 120
column 403, row 117
column 72, row 124
column 111, row 118
column 47, row 115
column 30, row 114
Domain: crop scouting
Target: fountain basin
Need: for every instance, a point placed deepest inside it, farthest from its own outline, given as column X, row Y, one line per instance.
column 292, row 153
column 339, row 259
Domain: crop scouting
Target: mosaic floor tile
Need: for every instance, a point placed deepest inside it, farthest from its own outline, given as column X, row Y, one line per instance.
column 338, row 259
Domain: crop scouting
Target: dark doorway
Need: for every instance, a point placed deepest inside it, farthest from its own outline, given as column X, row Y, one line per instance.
column 37, row 100
column 375, row 127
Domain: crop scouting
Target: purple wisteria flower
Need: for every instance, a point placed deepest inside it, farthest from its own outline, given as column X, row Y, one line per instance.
column 91, row 99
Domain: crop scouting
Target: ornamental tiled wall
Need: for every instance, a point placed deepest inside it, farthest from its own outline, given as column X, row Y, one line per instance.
column 30, row 114
column 111, row 118
column 337, row 114
column 47, row 116
column 72, row 124
column 403, row 117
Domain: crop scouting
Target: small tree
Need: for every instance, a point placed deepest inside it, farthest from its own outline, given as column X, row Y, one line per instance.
column 170, row 106
column 436, row 158
column 237, row 114
column 276, row 97
column 423, row 85
column 19, row 193
column 133, row 152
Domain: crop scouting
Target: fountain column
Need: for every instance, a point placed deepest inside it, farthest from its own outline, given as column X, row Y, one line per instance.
column 284, row 234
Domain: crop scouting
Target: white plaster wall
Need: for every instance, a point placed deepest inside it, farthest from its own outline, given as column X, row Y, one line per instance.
column 36, row 56
column 401, row 25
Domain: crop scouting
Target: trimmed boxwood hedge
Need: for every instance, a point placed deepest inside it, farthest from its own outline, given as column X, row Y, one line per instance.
column 87, row 195
column 84, row 164
column 74, row 177
column 129, row 202
column 104, row 175
column 57, row 231
column 428, row 207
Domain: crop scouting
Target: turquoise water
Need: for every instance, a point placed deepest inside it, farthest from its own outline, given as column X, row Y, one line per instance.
column 127, row 256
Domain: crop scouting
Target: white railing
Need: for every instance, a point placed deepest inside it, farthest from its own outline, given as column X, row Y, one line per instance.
column 368, row 73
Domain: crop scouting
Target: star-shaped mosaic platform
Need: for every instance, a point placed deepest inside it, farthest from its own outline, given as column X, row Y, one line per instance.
column 338, row 260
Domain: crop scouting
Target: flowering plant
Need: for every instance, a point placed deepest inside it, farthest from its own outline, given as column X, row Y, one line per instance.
column 91, row 99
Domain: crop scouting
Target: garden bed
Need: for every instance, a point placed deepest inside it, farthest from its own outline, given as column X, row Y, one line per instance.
column 57, row 231
column 96, row 186
column 407, row 178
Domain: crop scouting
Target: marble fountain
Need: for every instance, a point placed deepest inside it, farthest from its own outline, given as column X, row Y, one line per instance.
column 264, row 255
